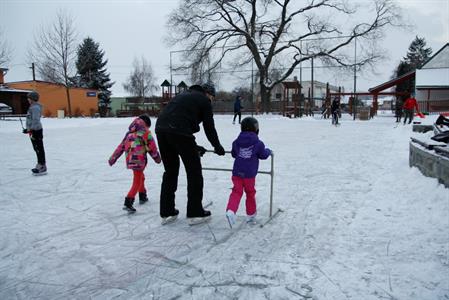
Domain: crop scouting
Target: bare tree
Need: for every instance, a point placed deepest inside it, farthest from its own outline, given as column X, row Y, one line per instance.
column 281, row 33
column 141, row 81
column 54, row 53
column 5, row 51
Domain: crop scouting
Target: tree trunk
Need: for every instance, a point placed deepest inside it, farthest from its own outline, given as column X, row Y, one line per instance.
column 67, row 91
column 265, row 96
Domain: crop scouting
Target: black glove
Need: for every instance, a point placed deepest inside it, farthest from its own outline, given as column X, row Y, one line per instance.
column 201, row 150
column 25, row 131
column 219, row 150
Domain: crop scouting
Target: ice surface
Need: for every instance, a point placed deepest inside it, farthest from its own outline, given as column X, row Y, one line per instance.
column 358, row 222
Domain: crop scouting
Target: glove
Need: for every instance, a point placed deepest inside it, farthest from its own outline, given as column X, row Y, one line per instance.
column 157, row 158
column 219, row 150
column 271, row 152
column 201, row 150
column 111, row 162
column 25, row 131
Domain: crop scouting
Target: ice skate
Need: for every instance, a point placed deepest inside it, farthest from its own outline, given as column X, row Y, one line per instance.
column 230, row 216
column 200, row 219
column 128, row 205
column 170, row 219
column 39, row 170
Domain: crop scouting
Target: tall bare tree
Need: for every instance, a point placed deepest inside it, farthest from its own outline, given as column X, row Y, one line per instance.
column 5, row 51
column 141, row 80
column 54, row 52
column 281, row 33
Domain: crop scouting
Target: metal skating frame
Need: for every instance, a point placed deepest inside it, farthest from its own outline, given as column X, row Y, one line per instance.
column 271, row 173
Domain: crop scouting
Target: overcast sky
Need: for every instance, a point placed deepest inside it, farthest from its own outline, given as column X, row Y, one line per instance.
column 131, row 28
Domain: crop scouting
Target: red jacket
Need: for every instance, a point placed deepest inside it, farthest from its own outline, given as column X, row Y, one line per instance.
column 410, row 103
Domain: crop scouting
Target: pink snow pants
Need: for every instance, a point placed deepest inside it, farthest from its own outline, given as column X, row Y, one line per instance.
column 240, row 185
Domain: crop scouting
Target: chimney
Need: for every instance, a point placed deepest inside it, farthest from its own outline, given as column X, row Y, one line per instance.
column 2, row 75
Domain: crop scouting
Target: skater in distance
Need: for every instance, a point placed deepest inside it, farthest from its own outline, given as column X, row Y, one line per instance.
column 35, row 131
column 247, row 149
column 137, row 142
column 175, row 128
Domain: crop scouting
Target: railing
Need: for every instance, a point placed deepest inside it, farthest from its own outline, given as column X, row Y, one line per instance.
column 434, row 106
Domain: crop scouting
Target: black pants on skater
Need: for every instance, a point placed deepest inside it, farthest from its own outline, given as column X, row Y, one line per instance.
column 172, row 147
column 237, row 113
column 38, row 145
column 408, row 113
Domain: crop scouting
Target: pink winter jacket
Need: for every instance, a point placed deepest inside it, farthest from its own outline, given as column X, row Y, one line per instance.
column 137, row 142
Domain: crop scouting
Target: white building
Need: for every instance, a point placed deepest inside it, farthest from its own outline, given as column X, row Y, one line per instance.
column 432, row 82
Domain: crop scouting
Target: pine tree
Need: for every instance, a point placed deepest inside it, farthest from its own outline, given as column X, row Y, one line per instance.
column 92, row 72
column 417, row 55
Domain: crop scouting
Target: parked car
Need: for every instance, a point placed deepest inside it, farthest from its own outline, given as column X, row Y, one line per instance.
column 5, row 109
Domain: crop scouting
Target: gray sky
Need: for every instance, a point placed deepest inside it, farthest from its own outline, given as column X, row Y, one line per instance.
column 128, row 29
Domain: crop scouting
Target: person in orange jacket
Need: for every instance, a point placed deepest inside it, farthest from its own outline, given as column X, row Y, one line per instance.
column 409, row 108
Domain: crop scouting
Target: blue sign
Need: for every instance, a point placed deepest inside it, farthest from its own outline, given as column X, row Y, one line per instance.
column 91, row 94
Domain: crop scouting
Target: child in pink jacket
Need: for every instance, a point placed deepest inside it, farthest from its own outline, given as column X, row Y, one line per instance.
column 137, row 142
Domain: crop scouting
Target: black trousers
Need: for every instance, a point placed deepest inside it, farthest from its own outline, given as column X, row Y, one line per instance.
column 408, row 113
column 237, row 113
column 172, row 147
column 38, row 145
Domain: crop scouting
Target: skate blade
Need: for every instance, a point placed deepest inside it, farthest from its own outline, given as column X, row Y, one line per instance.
column 39, row 174
column 229, row 221
column 200, row 220
column 129, row 211
column 168, row 220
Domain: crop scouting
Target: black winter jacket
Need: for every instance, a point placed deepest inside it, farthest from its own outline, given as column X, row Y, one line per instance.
column 184, row 113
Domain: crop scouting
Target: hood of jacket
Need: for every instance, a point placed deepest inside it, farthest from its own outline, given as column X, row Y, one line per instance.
column 137, row 125
column 247, row 138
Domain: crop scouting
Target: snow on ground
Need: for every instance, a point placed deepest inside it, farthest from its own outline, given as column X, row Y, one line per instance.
column 358, row 223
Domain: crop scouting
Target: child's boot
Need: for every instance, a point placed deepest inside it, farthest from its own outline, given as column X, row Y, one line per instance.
column 143, row 197
column 128, row 205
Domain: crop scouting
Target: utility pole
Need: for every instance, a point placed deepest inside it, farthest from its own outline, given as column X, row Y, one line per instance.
column 252, row 87
column 354, row 104
column 311, row 83
column 33, row 70
column 171, row 75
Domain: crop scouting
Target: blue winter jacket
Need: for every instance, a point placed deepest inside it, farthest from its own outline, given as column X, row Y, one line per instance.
column 237, row 105
column 247, row 149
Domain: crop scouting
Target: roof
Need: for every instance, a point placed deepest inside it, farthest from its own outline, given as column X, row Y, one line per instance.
column 439, row 60
column 165, row 83
column 391, row 82
column 48, row 82
column 5, row 89
column 291, row 84
column 182, row 84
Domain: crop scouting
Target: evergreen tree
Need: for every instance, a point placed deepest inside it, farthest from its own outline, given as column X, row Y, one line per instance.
column 417, row 55
column 92, row 72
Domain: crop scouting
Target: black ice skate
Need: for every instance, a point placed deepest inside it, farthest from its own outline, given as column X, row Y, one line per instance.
column 128, row 205
column 143, row 198
column 39, row 170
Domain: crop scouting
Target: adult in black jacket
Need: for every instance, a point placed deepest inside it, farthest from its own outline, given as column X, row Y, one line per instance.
column 175, row 127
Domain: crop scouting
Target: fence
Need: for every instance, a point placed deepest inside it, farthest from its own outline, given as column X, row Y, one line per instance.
column 434, row 107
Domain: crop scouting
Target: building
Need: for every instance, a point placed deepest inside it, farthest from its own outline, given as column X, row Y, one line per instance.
column 16, row 99
column 432, row 82
column 53, row 97
column 116, row 104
